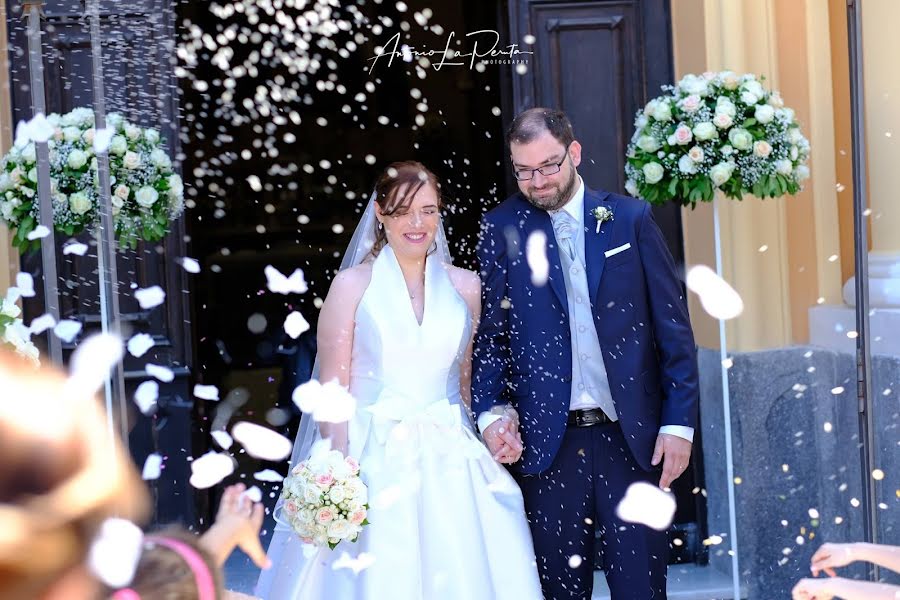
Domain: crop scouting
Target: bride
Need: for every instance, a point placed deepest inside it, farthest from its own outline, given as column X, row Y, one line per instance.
column 447, row 521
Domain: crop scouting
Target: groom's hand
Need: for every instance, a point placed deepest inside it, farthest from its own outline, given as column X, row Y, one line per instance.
column 503, row 440
column 677, row 454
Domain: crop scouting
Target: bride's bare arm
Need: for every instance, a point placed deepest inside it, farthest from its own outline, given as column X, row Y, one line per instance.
column 335, row 338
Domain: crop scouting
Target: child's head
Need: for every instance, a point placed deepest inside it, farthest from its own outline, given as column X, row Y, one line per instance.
column 173, row 566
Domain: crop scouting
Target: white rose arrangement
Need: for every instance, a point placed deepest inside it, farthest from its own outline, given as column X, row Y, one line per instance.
column 715, row 131
column 147, row 194
column 324, row 500
column 14, row 334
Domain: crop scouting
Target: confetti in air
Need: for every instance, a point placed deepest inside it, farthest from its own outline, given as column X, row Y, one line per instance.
column 536, row 255
column 295, row 325
column 139, row 344
column 115, row 551
column 329, row 402
column 210, row 469
column 260, row 442
column 152, row 467
column 206, row 392
column 150, row 297
column 718, row 298
column 279, row 284
column 647, row 504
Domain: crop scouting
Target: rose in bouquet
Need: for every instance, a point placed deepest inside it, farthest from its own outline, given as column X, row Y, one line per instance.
column 146, row 193
column 13, row 332
column 715, row 131
column 324, row 500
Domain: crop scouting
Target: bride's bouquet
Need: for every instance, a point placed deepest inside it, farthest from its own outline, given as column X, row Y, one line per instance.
column 325, row 501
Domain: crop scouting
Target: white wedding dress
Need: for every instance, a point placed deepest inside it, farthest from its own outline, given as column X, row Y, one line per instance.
column 447, row 522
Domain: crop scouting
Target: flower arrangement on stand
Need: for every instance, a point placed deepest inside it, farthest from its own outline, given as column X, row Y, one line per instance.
column 146, row 193
column 715, row 131
column 13, row 332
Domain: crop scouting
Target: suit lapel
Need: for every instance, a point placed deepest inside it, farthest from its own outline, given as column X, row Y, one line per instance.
column 596, row 244
column 539, row 220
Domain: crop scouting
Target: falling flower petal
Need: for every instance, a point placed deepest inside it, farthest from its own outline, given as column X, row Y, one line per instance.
column 261, row 442
column 536, row 255
column 152, row 467
column 647, row 504
column 253, row 493
column 210, row 469
column 102, row 138
column 718, row 298
column 206, row 392
column 164, row 374
column 295, row 325
column 222, row 439
column 25, row 284
column 38, row 129
column 268, row 475
column 189, row 264
column 115, row 552
column 41, row 324
column 150, row 297
column 330, row 403
column 279, row 284
column 38, row 232
column 75, row 248
column 361, row 563
column 93, row 360
column 146, row 395
column 67, row 329
column 139, row 344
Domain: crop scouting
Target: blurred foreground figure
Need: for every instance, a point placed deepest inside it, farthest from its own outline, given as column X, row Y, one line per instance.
column 61, row 476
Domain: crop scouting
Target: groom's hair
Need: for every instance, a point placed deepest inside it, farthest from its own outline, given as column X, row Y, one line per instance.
column 530, row 124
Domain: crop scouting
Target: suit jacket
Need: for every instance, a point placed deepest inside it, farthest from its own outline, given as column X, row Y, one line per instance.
column 523, row 349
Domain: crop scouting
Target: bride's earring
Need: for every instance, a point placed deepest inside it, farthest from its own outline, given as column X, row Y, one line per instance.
column 380, row 225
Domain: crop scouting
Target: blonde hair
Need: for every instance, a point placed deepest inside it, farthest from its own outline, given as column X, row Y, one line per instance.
column 61, row 476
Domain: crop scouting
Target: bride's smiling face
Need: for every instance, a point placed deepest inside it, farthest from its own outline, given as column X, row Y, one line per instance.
column 411, row 227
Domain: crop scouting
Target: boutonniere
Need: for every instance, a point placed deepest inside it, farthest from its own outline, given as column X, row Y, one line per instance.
column 602, row 214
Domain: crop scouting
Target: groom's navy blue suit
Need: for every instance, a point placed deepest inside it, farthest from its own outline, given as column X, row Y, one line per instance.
column 523, row 355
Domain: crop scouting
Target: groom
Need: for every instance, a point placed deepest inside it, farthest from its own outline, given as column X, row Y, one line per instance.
column 587, row 382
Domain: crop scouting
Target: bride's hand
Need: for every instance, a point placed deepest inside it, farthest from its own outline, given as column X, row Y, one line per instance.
column 503, row 440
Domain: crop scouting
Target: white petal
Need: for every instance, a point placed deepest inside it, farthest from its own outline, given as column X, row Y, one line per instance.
column 253, row 493
column 261, row 442
column 210, row 469
column 536, row 255
column 93, row 360
column 41, row 324
column 362, row 562
column 67, row 329
column 164, row 374
column 146, row 395
column 38, row 129
column 152, row 467
column 647, row 504
column 139, row 344
column 25, row 284
column 222, row 439
column 206, row 392
column 295, row 325
column 102, row 138
column 75, row 248
column 115, row 552
column 189, row 264
column 330, row 403
column 150, row 297
column 268, row 475
column 279, row 284
column 38, row 232
column 717, row 297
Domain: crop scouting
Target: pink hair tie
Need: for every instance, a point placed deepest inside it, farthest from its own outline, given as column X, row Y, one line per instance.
column 126, row 594
column 206, row 589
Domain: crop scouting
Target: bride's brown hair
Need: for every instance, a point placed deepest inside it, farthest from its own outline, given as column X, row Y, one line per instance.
column 409, row 176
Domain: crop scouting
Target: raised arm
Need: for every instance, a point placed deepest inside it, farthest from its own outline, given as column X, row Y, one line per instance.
column 335, row 338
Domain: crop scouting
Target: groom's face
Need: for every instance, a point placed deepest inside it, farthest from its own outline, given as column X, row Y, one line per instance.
column 548, row 192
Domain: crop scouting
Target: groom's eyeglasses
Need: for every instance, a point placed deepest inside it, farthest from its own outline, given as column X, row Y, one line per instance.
column 546, row 170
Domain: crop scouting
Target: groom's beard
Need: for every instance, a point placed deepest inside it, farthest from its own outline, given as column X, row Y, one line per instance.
column 557, row 200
